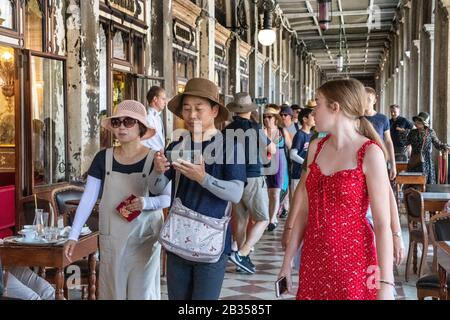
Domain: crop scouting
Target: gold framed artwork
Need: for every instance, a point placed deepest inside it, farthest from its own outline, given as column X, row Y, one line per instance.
column 7, row 117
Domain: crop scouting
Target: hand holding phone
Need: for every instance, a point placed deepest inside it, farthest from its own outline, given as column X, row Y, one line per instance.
column 191, row 156
column 281, row 286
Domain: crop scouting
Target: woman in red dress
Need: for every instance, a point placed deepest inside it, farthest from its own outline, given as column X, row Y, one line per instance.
column 339, row 260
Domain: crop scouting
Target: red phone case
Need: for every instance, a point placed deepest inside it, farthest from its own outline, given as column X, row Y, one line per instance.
column 121, row 208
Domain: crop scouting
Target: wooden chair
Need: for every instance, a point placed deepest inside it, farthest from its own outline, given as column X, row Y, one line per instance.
column 417, row 228
column 405, row 178
column 429, row 286
column 59, row 196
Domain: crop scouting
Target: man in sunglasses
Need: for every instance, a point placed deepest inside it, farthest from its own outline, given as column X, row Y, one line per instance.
column 286, row 115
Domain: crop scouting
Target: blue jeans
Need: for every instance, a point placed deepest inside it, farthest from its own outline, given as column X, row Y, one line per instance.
column 188, row 280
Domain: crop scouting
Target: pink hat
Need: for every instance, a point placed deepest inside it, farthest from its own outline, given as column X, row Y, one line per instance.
column 132, row 109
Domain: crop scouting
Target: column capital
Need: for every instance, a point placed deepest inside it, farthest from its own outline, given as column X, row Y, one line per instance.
column 429, row 28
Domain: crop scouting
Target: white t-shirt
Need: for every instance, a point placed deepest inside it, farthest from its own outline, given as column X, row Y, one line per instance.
column 158, row 141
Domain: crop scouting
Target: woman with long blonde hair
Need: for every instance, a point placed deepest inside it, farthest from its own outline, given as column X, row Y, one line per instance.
column 345, row 170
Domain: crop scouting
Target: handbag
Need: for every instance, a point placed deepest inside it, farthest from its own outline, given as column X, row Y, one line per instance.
column 417, row 159
column 192, row 235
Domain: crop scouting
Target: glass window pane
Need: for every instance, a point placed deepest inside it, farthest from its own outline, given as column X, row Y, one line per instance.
column 48, row 114
column 7, row 14
column 7, row 128
column 103, row 99
column 157, row 38
column 33, row 27
column 120, row 46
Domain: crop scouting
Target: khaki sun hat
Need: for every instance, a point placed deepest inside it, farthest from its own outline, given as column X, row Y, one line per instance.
column 273, row 109
column 311, row 104
column 242, row 103
column 203, row 88
column 132, row 109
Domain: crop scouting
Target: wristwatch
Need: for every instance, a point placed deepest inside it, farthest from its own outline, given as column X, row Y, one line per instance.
column 397, row 234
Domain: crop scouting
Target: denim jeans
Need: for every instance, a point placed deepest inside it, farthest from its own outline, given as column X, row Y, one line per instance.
column 188, row 280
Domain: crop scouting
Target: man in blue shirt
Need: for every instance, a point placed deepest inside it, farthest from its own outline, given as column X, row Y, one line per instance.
column 255, row 199
column 400, row 128
column 381, row 124
column 300, row 145
column 205, row 186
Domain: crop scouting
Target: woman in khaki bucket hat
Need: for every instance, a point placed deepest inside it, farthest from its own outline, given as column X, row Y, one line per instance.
column 129, row 250
column 205, row 187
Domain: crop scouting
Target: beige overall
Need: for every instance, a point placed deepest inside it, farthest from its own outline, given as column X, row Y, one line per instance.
column 129, row 251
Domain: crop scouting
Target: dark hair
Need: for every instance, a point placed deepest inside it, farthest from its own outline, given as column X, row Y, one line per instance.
column 396, row 106
column 142, row 129
column 304, row 113
column 153, row 92
column 295, row 106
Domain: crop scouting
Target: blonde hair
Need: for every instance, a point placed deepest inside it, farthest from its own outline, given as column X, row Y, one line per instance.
column 351, row 96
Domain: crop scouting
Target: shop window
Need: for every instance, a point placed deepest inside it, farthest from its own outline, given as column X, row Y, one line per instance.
column 48, row 121
column 8, row 14
column 157, row 39
column 120, row 45
column 34, row 30
column 138, row 56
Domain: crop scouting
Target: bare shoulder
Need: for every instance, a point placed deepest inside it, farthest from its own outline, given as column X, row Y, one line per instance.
column 374, row 158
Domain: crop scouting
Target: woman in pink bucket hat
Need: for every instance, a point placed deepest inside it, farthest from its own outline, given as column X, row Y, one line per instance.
column 129, row 250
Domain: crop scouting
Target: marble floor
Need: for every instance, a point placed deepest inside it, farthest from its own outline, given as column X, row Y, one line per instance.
column 268, row 257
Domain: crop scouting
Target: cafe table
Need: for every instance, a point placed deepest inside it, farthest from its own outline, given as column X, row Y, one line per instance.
column 443, row 260
column 52, row 256
column 401, row 165
column 435, row 201
column 445, row 188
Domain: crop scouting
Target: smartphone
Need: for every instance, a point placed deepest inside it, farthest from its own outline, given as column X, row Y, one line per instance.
column 281, row 286
column 192, row 156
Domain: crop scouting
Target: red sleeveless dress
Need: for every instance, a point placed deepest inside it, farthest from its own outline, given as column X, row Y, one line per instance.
column 338, row 260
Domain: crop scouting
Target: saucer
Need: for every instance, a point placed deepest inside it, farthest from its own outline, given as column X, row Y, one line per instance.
column 85, row 231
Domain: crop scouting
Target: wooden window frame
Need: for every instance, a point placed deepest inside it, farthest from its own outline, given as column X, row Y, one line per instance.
column 16, row 32
column 29, row 139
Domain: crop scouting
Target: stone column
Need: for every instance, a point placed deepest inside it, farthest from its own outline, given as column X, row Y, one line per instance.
column 207, row 40
column 427, row 68
column 414, row 77
column 301, row 78
column 442, row 68
column 234, row 65
column 253, row 61
column 82, row 83
column 167, row 51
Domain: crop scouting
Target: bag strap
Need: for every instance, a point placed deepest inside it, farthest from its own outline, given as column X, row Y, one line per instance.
column 109, row 156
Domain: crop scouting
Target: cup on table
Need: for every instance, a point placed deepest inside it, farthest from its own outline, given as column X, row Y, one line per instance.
column 51, row 233
column 29, row 234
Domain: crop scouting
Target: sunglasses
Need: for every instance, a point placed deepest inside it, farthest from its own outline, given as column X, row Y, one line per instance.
column 127, row 122
column 284, row 115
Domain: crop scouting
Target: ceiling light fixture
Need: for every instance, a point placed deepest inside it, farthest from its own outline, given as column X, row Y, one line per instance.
column 325, row 13
column 267, row 35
